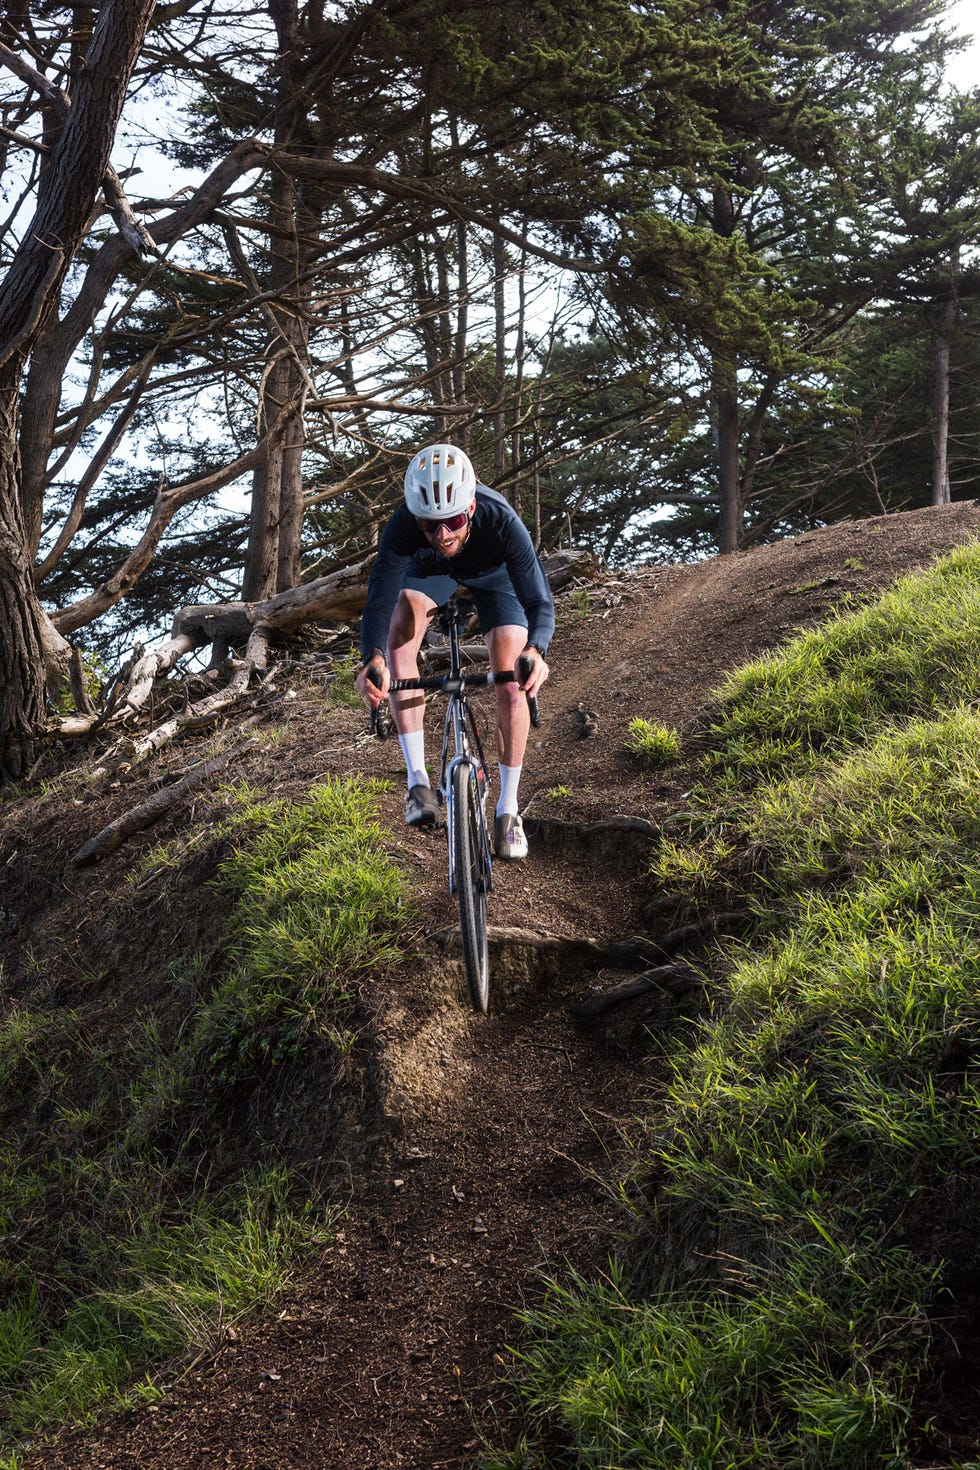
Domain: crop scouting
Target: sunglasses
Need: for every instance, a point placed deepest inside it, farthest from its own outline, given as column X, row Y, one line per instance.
column 451, row 523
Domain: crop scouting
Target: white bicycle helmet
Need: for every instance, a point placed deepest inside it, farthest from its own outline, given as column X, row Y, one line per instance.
column 439, row 483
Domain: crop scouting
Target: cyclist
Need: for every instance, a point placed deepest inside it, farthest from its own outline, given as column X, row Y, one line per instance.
column 453, row 531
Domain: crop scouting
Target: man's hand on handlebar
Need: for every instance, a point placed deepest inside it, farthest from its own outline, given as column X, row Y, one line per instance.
column 531, row 671
column 373, row 680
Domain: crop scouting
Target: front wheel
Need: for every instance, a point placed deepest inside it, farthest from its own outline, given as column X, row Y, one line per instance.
column 471, row 883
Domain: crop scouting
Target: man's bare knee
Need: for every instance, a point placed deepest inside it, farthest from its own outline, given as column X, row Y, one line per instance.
column 409, row 621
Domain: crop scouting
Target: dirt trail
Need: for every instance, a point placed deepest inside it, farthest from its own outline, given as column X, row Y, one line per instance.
column 501, row 1131
column 386, row 1355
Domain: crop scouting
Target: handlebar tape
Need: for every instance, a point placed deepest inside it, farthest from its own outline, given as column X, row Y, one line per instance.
column 379, row 724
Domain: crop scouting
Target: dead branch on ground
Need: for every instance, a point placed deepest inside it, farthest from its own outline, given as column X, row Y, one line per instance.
column 151, row 810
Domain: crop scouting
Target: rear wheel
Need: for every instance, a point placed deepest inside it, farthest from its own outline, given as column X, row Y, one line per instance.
column 471, row 885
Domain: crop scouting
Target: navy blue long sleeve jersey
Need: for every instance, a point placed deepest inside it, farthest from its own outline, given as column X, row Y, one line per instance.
column 498, row 539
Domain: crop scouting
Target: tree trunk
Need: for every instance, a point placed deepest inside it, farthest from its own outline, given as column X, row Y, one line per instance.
column 262, row 554
column 418, row 258
column 276, row 519
column 725, row 393
column 941, row 494
column 499, row 358
column 462, row 321
column 940, row 441
column 520, row 347
column 21, row 647
column 66, row 193
column 69, row 184
column 290, row 560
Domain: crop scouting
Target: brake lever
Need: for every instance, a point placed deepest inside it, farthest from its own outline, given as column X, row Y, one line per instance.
column 380, row 715
column 524, row 667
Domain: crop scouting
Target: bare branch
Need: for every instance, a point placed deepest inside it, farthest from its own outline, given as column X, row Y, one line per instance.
column 165, row 507
column 92, row 473
column 41, row 84
column 151, row 810
column 419, row 191
column 133, row 231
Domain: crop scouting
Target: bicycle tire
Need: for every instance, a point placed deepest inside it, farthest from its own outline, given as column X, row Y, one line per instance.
column 471, row 885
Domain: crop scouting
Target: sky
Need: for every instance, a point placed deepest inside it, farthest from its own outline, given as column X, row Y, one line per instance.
column 964, row 17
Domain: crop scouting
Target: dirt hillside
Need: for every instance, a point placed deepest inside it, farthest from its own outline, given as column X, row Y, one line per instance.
column 485, row 1155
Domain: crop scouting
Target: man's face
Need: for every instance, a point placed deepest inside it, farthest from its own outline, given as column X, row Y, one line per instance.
column 448, row 537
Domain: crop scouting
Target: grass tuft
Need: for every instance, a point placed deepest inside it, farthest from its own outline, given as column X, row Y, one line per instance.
column 653, row 743
column 322, row 904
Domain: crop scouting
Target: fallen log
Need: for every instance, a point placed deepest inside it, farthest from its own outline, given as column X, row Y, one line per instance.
column 339, row 597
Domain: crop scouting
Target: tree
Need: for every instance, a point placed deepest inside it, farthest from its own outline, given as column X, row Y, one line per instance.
column 931, row 181
column 73, row 173
column 349, row 276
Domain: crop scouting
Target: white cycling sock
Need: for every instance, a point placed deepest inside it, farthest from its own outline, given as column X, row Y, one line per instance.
column 507, row 800
column 413, row 749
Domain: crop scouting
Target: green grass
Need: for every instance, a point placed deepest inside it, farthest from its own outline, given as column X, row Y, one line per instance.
column 146, row 1197
column 912, row 652
column 653, row 742
column 323, row 906
column 814, row 1170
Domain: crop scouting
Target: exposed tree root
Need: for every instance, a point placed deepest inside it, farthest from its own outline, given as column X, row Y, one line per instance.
column 624, row 841
column 670, row 980
column 686, row 934
column 591, row 953
column 569, row 957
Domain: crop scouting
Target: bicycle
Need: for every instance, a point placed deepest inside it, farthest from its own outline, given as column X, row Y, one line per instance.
column 463, row 786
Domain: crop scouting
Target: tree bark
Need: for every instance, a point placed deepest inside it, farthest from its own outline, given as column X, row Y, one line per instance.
column 22, row 663
column 940, row 441
column 295, row 216
column 725, row 392
column 520, row 349
column 499, row 357
column 262, row 554
column 66, row 193
column 941, row 493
